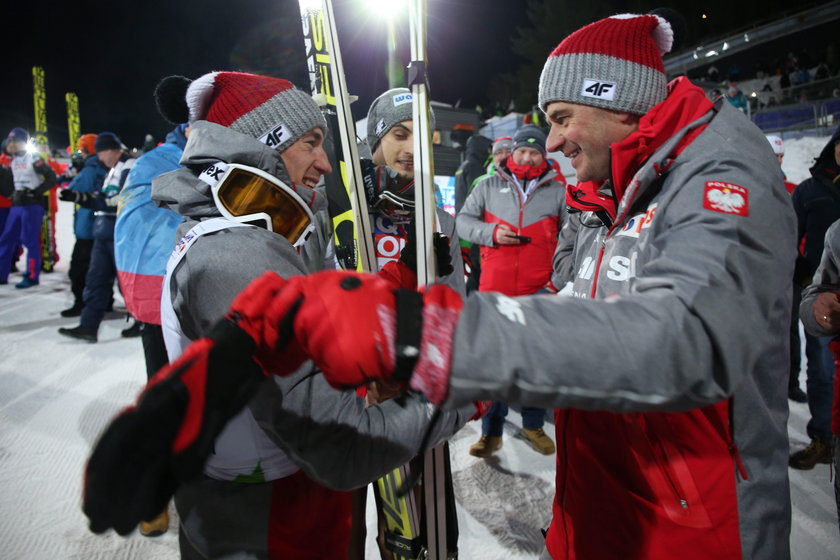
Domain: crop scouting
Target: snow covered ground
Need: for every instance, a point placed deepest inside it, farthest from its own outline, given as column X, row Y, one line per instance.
column 56, row 394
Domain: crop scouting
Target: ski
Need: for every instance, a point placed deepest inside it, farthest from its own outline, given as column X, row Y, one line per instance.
column 402, row 535
column 73, row 124
column 440, row 516
column 354, row 238
column 49, row 255
column 344, row 187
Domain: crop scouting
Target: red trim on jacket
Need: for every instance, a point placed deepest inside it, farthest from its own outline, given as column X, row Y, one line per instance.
column 834, row 345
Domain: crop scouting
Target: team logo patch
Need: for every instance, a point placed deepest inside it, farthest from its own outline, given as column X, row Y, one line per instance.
column 726, row 198
column 641, row 221
column 276, row 136
column 213, row 173
column 380, row 126
column 402, row 99
column 598, row 89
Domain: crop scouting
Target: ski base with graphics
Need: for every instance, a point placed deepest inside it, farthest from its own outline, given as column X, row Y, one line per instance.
column 353, row 236
column 440, row 517
column 344, row 187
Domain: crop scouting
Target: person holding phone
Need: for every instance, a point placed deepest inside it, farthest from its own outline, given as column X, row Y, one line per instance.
column 515, row 215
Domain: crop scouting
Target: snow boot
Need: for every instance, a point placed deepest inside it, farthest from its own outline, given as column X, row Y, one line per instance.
column 132, row 331
column 157, row 526
column 818, row 451
column 81, row 332
column 27, row 282
column 486, row 446
column 538, row 440
column 797, row 395
column 74, row 311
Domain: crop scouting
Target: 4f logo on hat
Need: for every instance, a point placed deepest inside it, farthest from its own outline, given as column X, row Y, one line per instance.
column 598, row 89
column 380, row 127
column 726, row 198
column 275, row 136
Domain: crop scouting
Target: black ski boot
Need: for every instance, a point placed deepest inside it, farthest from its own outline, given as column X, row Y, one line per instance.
column 81, row 332
column 74, row 311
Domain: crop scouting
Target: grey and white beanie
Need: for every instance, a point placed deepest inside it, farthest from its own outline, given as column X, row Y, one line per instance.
column 392, row 107
column 614, row 63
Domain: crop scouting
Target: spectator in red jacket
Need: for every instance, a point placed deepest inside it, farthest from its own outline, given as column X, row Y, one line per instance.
column 515, row 215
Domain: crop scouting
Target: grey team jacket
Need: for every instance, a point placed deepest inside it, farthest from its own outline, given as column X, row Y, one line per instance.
column 826, row 279
column 691, row 307
column 302, row 416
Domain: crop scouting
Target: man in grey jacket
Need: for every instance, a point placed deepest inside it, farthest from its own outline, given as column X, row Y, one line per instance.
column 820, row 314
column 265, row 468
column 667, row 369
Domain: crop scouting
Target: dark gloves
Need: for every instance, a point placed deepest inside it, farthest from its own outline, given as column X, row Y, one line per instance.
column 69, row 195
column 150, row 448
column 443, row 257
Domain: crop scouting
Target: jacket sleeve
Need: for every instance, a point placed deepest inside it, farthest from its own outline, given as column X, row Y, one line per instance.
column 219, row 266
column 336, row 440
column 456, row 279
column 563, row 261
column 461, row 188
column 88, row 180
column 710, row 296
column 826, row 279
column 7, row 184
column 47, row 174
column 470, row 221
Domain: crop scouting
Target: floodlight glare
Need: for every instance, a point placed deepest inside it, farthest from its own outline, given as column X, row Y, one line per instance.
column 310, row 5
column 385, row 8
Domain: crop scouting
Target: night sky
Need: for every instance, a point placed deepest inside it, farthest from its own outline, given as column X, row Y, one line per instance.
column 112, row 54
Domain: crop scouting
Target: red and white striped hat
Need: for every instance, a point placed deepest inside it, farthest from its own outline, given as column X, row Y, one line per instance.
column 269, row 109
column 614, row 63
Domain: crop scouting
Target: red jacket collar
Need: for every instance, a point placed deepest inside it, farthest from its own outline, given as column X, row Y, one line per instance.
column 685, row 104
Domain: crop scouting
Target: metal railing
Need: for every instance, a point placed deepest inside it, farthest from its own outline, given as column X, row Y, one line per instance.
column 822, row 113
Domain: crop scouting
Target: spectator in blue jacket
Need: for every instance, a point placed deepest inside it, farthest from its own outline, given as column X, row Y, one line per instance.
column 88, row 181
column 99, row 282
column 143, row 239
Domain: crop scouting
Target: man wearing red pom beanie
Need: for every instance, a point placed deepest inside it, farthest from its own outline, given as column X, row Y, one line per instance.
column 667, row 369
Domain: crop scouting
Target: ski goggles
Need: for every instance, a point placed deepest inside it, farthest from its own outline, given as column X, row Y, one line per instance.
column 392, row 204
column 250, row 195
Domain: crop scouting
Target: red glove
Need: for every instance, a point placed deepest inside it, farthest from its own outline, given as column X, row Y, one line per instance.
column 266, row 318
column 356, row 328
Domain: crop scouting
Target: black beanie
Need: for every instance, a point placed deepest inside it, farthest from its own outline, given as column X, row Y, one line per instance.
column 107, row 141
column 530, row 135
